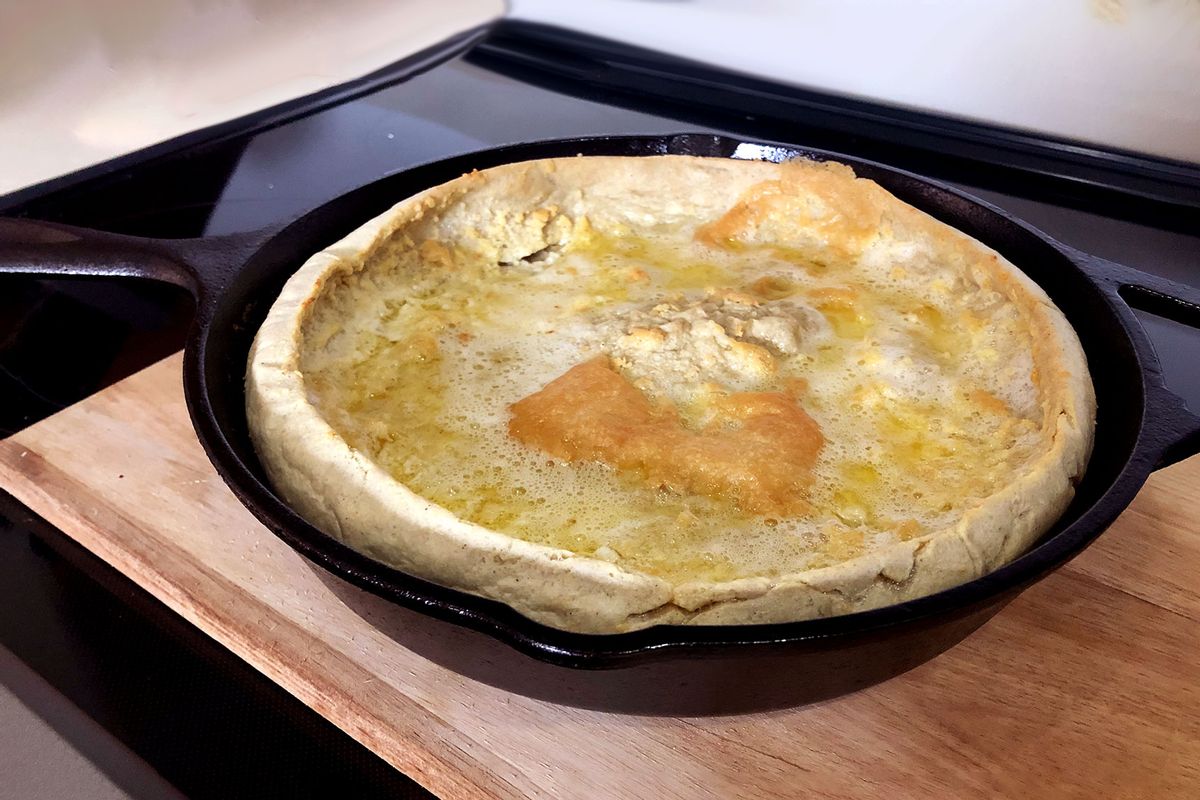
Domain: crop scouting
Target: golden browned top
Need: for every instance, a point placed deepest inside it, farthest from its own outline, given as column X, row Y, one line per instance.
column 757, row 449
column 838, row 212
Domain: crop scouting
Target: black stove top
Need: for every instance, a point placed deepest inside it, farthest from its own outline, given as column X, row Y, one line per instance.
column 208, row 723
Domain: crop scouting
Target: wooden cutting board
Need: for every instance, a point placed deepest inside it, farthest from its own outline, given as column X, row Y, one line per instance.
column 1087, row 686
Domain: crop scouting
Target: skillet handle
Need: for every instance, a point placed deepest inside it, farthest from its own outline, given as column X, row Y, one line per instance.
column 32, row 247
column 1178, row 427
column 201, row 266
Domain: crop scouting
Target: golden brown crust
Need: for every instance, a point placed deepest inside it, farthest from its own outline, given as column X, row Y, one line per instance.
column 759, row 448
column 517, row 210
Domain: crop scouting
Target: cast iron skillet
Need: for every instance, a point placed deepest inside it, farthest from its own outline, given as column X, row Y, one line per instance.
column 1142, row 425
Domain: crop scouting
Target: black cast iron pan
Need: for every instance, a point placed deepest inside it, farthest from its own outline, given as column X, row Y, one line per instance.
column 1141, row 425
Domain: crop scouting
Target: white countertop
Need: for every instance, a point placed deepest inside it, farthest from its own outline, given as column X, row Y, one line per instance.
column 82, row 82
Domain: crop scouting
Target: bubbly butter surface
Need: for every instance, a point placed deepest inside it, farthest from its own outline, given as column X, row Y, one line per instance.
column 920, row 392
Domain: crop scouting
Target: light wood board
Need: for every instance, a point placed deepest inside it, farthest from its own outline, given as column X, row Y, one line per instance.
column 1087, row 686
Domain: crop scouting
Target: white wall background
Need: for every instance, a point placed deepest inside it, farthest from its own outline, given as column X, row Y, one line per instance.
column 1124, row 73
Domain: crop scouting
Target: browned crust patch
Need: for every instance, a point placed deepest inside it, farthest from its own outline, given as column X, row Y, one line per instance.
column 758, row 449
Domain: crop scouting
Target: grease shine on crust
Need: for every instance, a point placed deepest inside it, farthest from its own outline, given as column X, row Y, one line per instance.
column 616, row 392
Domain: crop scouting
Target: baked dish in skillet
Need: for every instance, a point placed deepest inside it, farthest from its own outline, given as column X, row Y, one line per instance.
column 619, row 392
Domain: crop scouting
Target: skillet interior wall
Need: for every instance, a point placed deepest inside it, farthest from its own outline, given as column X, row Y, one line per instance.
column 1112, row 360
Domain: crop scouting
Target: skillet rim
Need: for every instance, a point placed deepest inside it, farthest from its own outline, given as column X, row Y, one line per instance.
column 580, row 650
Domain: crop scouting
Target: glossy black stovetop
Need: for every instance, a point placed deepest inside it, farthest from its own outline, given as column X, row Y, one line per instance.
column 62, row 340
